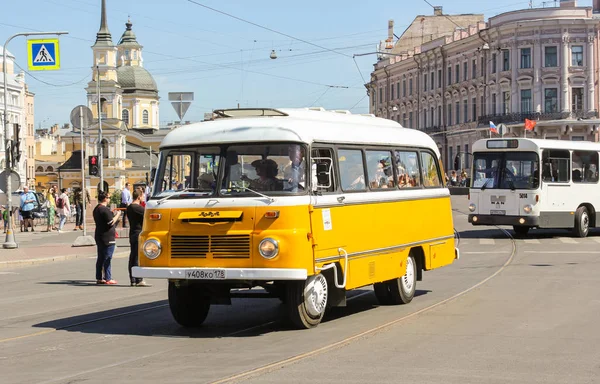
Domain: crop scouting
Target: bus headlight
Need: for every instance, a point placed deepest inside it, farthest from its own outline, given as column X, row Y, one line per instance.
column 268, row 248
column 152, row 249
column 472, row 207
column 528, row 208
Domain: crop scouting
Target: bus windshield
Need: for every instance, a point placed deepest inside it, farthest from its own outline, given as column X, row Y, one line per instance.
column 228, row 170
column 506, row 170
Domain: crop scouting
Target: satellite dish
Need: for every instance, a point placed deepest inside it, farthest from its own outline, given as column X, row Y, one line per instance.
column 77, row 113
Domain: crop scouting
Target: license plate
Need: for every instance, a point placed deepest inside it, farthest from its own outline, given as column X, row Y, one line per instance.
column 497, row 212
column 205, row 274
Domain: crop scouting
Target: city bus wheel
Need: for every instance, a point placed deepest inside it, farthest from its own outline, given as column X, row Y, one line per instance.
column 521, row 230
column 189, row 305
column 403, row 290
column 306, row 301
column 582, row 222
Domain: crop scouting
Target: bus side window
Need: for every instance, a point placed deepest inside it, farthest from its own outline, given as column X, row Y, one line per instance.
column 322, row 169
column 352, row 171
column 585, row 166
column 431, row 173
column 556, row 165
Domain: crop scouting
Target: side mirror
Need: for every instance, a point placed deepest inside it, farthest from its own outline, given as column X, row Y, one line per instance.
column 323, row 175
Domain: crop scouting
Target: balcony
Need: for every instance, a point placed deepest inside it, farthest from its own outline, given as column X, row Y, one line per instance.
column 516, row 118
column 433, row 129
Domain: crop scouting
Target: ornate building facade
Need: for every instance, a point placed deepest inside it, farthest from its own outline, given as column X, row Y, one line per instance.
column 539, row 64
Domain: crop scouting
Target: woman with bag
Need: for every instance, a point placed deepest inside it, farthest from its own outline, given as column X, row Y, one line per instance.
column 64, row 208
column 50, row 206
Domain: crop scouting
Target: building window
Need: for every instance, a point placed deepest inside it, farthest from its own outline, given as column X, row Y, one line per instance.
column 425, row 82
column 457, row 117
column 404, row 119
column 424, row 123
column 125, row 116
column 550, row 100
column 474, row 69
column 439, row 83
column 526, row 100
column 481, row 106
column 550, row 57
column 465, row 71
column 145, row 116
column 525, row 57
column 373, row 99
column 474, row 110
column 506, row 102
column 392, row 89
column 104, row 145
column 450, row 159
column 410, row 119
column 440, row 120
column 404, row 88
column 494, row 62
column 380, row 95
column 432, row 117
column 449, row 108
column 465, row 111
column 493, row 103
column 505, row 60
column 410, row 87
column 576, row 99
column 432, row 82
column 577, row 56
column 449, row 76
column 398, row 90
column 457, row 73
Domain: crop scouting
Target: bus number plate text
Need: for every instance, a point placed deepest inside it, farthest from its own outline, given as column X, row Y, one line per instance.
column 205, row 274
column 497, row 212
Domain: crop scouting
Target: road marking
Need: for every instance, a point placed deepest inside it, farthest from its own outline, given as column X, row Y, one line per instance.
column 566, row 252
column 481, row 252
column 531, row 241
column 487, row 242
column 567, row 240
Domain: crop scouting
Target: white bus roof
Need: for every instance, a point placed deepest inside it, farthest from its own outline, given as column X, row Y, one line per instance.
column 300, row 125
column 537, row 144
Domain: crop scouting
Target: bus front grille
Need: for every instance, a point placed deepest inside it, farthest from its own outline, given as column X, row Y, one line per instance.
column 219, row 246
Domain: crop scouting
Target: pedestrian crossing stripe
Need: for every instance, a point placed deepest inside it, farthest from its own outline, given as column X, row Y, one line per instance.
column 43, row 54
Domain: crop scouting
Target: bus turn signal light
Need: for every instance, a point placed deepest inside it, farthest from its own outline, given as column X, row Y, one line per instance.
column 155, row 216
column 271, row 214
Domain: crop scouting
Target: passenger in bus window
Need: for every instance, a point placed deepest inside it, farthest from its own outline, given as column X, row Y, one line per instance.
column 266, row 170
column 293, row 173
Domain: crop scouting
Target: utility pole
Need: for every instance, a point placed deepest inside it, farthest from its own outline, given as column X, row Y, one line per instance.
column 100, row 149
column 9, row 241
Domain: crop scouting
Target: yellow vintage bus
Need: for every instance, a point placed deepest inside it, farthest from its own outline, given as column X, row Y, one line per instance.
column 305, row 203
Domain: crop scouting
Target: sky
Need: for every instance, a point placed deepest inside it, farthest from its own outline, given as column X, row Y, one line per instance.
column 222, row 54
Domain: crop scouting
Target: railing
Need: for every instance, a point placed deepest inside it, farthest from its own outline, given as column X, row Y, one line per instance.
column 521, row 116
column 433, row 129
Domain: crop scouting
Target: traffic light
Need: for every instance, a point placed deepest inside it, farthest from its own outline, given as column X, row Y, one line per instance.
column 93, row 166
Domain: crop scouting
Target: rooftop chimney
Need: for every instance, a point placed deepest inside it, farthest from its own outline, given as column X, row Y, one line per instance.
column 568, row 3
column 437, row 11
column 391, row 30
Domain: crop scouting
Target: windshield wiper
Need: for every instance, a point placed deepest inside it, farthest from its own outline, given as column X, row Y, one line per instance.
column 179, row 193
column 224, row 191
column 485, row 184
column 511, row 184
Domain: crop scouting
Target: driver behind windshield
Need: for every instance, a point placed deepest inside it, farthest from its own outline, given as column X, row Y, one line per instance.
column 266, row 170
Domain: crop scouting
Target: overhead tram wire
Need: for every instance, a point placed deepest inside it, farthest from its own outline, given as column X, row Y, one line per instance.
column 53, row 85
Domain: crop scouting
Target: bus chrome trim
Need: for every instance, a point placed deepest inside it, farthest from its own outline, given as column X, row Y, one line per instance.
column 330, row 204
column 375, row 251
column 267, row 274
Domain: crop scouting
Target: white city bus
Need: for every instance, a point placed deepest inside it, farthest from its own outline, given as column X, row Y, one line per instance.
column 531, row 183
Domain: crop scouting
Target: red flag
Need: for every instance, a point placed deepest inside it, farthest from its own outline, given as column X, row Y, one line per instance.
column 530, row 124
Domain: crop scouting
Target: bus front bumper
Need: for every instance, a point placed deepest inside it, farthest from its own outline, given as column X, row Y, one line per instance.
column 529, row 221
column 216, row 274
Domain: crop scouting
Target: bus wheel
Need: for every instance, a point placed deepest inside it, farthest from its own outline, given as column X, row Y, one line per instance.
column 521, row 230
column 582, row 222
column 189, row 306
column 399, row 291
column 306, row 301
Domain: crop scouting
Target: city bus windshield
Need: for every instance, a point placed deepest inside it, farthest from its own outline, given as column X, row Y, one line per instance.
column 231, row 170
column 505, row 170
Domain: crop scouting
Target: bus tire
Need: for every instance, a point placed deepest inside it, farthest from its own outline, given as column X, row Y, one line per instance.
column 189, row 306
column 521, row 230
column 306, row 301
column 582, row 222
column 403, row 290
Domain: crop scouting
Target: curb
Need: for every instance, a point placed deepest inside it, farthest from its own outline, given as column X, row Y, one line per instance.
column 31, row 262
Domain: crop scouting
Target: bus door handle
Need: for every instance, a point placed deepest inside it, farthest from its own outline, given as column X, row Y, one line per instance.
column 341, row 199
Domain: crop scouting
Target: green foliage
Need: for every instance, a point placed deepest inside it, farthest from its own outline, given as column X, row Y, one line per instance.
column 115, row 198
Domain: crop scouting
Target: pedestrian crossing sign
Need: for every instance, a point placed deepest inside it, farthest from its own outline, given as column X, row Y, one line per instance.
column 43, row 54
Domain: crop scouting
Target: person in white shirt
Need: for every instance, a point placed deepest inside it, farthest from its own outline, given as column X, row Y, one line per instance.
column 293, row 173
column 63, row 207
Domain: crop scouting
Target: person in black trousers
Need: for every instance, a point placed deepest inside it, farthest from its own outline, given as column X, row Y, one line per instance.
column 135, row 214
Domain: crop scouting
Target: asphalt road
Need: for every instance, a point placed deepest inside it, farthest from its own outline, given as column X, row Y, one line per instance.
column 522, row 311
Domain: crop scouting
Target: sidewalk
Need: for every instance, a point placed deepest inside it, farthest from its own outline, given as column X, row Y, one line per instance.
column 43, row 247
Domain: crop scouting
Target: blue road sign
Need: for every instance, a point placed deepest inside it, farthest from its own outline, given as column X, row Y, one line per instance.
column 43, row 54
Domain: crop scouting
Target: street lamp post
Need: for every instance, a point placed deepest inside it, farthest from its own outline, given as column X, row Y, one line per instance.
column 100, row 149
column 9, row 241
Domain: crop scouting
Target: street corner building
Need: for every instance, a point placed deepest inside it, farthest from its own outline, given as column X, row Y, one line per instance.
column 451, row 75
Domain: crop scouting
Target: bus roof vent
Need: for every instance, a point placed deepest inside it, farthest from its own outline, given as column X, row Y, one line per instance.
column 248, row 112
column 368, row 114
column 342, row 111
column 320, row 109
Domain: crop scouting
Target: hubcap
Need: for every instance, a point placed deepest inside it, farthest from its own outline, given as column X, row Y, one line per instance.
column 408, row 280
column 315, row 295
column 585, row 222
